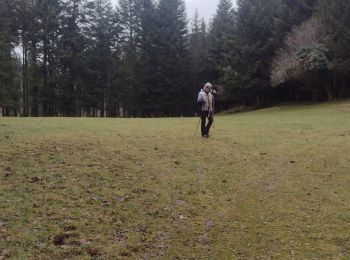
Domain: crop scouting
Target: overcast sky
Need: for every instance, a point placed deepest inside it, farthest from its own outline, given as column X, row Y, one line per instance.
column 206, row 8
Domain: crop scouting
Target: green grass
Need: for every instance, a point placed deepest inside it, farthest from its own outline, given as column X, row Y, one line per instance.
column 273, row 183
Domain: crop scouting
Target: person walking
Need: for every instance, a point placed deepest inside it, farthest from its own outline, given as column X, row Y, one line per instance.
column 206, row 101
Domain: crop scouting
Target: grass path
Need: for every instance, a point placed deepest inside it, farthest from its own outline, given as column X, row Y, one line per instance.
column 273, row 183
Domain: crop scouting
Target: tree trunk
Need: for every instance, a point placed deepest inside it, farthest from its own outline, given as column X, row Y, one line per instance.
column 343, row 87
column 34, row 80
column 314, row 95
column 108, row 95
column 328, row 88
column 334, row 82
column 45, row 77
column 24, row 76
column 297, row 97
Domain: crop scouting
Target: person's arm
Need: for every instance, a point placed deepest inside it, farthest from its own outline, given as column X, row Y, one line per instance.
column 212, row 104
column 200, row 100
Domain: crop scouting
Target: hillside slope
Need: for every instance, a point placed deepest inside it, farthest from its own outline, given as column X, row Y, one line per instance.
column 272, row 183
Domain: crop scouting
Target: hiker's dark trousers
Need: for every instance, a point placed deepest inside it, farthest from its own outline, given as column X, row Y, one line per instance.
column 206, row 127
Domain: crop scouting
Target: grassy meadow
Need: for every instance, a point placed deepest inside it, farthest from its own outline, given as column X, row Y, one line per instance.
column 268, row 184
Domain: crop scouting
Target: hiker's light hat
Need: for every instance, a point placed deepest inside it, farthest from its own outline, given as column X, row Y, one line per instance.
column 208, row 84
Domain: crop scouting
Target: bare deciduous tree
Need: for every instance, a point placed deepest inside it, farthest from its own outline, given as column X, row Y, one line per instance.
column 285, row 65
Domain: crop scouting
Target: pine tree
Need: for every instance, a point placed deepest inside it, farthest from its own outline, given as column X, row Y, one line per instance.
column 28, row 25
column 221, row 31
column 48, row 13
column 9, row 97
column 71, row 47
column 21, row 9
column 174, row 94
column 149, row 60
column 130, row 21
column 259, row 31
column 33, row 58
column 254, row 31
column 198, row 54
column 101, row 32
column 289, row 14
column 336, row 19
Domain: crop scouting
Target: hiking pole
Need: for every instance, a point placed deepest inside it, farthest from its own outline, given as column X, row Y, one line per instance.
column 197, row 127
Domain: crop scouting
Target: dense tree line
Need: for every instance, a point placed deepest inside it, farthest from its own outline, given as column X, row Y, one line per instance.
column 145, row 58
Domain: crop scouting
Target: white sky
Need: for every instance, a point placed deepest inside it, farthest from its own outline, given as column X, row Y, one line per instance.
column 206, row 8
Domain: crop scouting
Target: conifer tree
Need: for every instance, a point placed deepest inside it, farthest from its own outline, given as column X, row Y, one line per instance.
column 28, row 25
column 101, row 31
column 130, row 21
column 259, row 31
column 336, row 20
column 71, row 58
column 221, row 31
column 149, row 60
column 9, row 96
column 198, row 54
column 48, row 15
column 21, row 10
column 173, row 61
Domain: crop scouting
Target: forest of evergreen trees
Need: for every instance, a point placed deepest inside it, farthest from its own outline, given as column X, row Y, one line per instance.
column 146, row 58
